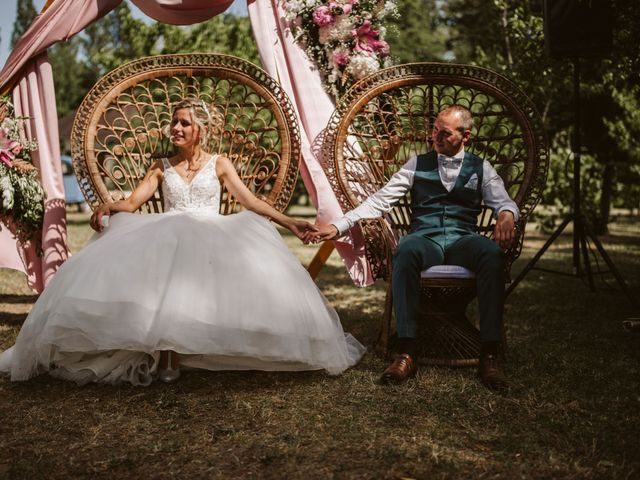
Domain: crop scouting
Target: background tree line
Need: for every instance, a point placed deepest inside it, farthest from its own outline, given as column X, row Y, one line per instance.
column 503, row 35
column 507, row 36
column 118, row 37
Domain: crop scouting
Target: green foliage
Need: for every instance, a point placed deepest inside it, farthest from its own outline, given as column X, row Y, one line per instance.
column 226, row 34
column 418, row 34
column 72, row 77
column 22, row 201
column 119, row 37
column 21, row 194
column 507, row 36
column 26, row 12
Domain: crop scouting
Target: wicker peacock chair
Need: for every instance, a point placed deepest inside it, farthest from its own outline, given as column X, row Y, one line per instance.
column 118, row 130
column 384, row 120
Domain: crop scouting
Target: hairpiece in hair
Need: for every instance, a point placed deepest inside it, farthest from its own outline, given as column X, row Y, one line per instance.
column 203, row 104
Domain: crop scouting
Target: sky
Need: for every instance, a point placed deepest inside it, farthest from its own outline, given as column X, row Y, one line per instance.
column 8, row 16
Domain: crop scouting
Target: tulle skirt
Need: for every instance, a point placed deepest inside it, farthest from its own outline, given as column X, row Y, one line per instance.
column 224, row 292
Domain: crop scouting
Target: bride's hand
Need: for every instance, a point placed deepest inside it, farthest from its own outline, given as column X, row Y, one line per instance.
column 96, row 218
column 302, row 229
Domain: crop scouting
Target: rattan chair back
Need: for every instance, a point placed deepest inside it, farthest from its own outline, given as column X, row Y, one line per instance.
column 121, row 126
column 388, row 117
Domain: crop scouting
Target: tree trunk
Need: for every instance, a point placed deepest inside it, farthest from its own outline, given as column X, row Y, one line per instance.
column 608, row 175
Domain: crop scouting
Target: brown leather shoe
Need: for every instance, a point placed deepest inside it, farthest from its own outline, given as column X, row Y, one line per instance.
column 402, row 368
column 491, row 373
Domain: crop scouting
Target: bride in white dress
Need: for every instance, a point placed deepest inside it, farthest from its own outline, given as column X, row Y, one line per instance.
column 188, row 286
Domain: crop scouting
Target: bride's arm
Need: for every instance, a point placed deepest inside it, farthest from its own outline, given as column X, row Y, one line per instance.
column 141, row 194
column 228, row 175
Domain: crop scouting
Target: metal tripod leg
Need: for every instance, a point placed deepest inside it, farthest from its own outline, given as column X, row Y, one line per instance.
column 537, row 256
column 603, row 253
column 581, row 226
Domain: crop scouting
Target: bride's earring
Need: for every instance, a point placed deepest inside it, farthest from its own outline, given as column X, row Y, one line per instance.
column 171, row 373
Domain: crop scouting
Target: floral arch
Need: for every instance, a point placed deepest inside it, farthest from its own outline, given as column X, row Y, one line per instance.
column 278, row 26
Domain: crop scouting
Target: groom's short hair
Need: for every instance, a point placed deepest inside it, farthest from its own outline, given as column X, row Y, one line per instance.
column 465, row 115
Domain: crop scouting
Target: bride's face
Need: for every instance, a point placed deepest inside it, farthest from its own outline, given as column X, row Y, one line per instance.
column 184, row 131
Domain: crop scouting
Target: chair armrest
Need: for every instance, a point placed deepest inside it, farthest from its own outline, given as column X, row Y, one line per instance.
column 379, row 246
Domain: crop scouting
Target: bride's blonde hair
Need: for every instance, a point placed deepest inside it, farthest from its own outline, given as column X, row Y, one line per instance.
column 209, row 120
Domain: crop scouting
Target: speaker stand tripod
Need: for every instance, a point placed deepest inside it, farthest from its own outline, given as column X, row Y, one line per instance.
column 581, row 228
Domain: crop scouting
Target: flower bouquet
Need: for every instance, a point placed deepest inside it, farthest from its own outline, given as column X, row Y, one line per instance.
column 21, row 193
column 344, row 38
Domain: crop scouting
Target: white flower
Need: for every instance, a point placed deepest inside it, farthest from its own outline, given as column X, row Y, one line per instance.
column 340, row 30
column 7, row 193
column 389, row 9
column 362, row 65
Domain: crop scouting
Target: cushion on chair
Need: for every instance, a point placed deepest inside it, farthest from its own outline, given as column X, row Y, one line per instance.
column 447, row 271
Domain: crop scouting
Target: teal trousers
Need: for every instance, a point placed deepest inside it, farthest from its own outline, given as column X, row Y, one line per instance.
column 417, row 252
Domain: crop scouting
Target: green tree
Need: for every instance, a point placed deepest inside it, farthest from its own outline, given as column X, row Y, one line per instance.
column 70, row 75
column 418, row 34
column 117, row 38
column 507, row 36
column 26, row 12
column 226, row 34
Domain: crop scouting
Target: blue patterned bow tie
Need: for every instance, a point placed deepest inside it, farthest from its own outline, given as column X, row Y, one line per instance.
column 449, row 161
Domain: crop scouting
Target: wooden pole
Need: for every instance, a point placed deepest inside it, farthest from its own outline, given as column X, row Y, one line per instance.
column 321, row 257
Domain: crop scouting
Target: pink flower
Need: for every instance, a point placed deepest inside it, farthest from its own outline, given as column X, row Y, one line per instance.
column 6, row 157
column 8, row 148
column 340, row 56
column 367, row 40
column 322, row 16
column 382, row 47
column 351, row 4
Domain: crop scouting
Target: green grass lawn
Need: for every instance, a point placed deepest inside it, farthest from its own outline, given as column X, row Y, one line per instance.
column 573, row 409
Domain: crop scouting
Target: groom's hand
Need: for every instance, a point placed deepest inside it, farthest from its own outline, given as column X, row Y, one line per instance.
column 504, row 231
column 303, row 230
column 326, row 232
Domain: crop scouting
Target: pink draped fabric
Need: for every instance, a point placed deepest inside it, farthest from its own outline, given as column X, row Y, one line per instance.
column 182, row 12
column 29, row 99
column 34, row 96
column 283, row 59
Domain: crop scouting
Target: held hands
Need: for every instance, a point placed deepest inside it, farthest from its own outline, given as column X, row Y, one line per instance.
column 96, row 218
column 504, row 231
column 321, row 233
column 302, row 229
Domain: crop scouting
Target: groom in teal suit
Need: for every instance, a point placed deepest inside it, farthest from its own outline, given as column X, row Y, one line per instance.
column 448, row 186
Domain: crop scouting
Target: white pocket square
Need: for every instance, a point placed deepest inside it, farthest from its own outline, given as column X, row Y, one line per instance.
column 473, row 182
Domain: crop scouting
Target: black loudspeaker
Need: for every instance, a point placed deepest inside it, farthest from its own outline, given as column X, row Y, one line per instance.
column 578, row 28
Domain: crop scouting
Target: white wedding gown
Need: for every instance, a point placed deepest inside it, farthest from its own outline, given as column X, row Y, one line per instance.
column 223, row 291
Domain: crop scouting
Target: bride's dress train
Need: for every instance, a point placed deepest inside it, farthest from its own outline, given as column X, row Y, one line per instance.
column 223, row 291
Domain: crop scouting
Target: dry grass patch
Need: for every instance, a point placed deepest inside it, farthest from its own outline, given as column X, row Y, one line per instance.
column 571, row 412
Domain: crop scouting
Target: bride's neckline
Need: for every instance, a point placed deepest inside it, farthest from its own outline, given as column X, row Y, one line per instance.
column 189, row 182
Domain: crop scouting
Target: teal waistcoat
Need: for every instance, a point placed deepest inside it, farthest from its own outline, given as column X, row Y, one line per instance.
column 441, row 215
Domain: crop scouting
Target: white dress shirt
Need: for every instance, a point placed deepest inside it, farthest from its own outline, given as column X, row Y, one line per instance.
column 494, row 194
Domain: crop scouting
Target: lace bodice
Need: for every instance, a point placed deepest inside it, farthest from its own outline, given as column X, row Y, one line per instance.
column 203, row 192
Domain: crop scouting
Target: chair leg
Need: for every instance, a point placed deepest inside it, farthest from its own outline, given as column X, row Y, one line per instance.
column 382, row 343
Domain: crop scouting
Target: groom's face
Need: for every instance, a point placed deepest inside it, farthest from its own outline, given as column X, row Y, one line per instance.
column 448, row 135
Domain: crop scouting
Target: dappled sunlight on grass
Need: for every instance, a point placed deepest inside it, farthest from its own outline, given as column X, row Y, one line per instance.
column 571, row 411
